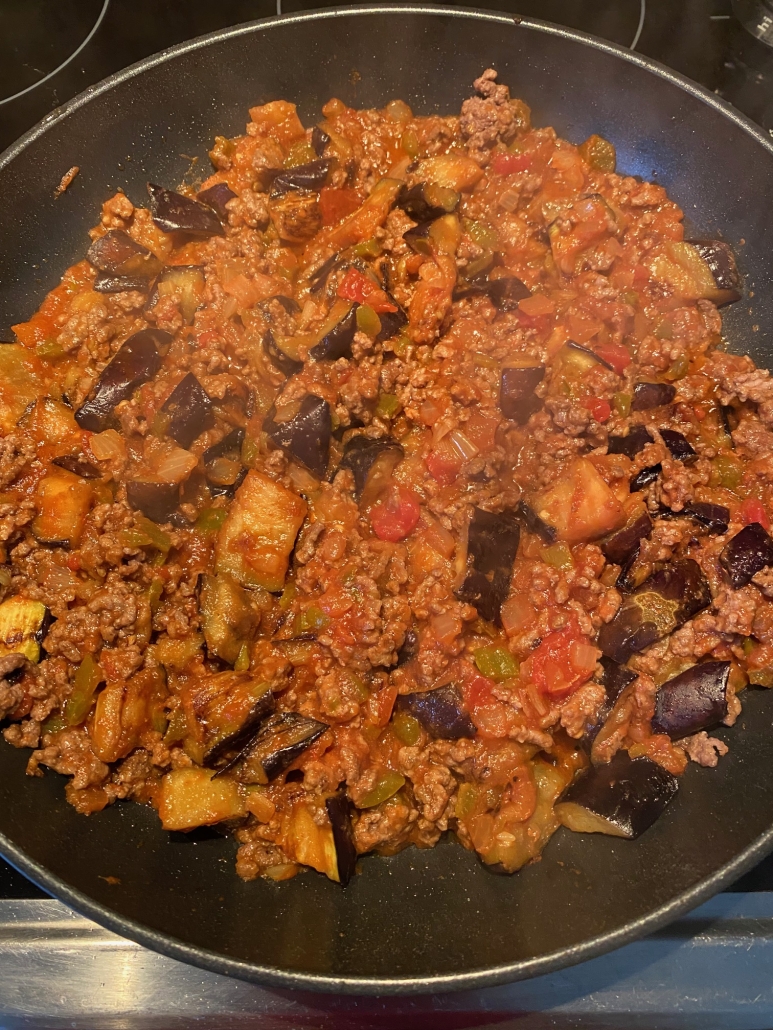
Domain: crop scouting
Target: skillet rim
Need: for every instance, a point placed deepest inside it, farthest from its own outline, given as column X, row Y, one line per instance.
column 369, row 985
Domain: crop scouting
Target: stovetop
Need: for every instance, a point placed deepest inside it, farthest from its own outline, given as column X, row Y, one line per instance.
column 49, row 52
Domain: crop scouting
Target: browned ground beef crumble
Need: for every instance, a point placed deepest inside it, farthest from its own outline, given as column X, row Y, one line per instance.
column 393, row 481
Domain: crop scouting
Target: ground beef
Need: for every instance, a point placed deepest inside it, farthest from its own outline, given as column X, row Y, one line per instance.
column 488, row 117
column 16, row 452
column 703, row 749
column 70, row 752
column 582, row 708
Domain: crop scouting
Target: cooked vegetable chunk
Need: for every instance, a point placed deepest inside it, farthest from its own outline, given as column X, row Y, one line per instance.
column 228, row 618
column 749, row 552
column 652, row 395
column 692, row 701
column 361, row 453
column 580, row 505
column 187, row 411
column 517, row 400
column 283, row 738
column 492, row 545
column 63, row 501
column 339, row 810
column 192, row 797
column 137, row 362
column 721, row 262
column 21, row 381
column 117, row 254
column 440, row 712
column 217, row 197
column 663, row 603
column 172, row 212
column 619, row 547
column 22, row 627
column 306, row 436
column 623, row 798
column 259, row 533
column 635, row 440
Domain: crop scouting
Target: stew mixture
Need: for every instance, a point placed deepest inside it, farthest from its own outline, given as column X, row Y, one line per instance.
column 394, row 480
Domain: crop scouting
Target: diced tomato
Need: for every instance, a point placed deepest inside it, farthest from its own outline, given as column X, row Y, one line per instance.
column 336, row 203
column 599, row 408
column 537, row 305
column 477, row 691
column 615, row 354
column 397, row 516
column 506, row 164
column 753, row 510
column 444, row 468
column 358, row 287
column 380, row 704
column 562, row 662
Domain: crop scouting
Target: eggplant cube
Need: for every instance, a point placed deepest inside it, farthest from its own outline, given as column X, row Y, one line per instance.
column 172, row 212
column 257, row 537
column 63, row 501
column 21, row 382
column 22, row 626
column 194, row 797
column 306, row 437
column 749, row 552
column 282, row 739
column 721, row 262
column 137, row 362
column 517, row 399
column 227, row 617
column 440, row 712
column 621, row 799
column 339, row 812
column 694, row 700
column 189, row 411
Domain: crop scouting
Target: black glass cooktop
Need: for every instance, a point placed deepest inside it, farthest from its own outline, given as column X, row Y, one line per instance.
column 50, row 50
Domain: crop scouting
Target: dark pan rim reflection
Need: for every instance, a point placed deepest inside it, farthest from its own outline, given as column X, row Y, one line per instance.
column 523, row 969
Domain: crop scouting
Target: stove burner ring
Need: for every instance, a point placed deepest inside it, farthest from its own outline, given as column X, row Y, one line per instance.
column 73, row 55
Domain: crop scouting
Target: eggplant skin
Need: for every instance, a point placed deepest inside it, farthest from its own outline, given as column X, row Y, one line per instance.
column 622, row 545
column 492, row 544
column 117, row 254
column 189, row 410
column 721, row 261
column 715, row 518
column 360, row 454
column 535, row 524
column 615, row 677
column 159, row 501
column 680, row 447
column 310, row 176
column 226, row 751
column 645, row 477
column 749, row 552
column 517, row 400
column 135, row 363
column 306, row 438
column 172, row 212
column 409, row 647
column 391, row 322
column 278, row 357
column 623, row 798
column 440, row 712
column 105, row 282
column 652, row 395
column 78, row 465
column 636, row 440
column 282, row 738
column 338, row 342
column 694, row 700
column 339, row 811
column 217, row 197
column 664, row 602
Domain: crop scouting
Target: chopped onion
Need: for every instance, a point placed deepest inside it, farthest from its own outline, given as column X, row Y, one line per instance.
column 510, row 199
column 465, row 448
column 429, row 412
column 517, row 615
column 223, row 471
column 583, row 656
column 446, row 628
column 440, row 539
column 173, row 464
column 108, row 446
column 302, row 480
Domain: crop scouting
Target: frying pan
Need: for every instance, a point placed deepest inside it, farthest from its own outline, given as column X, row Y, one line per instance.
column 422, row 920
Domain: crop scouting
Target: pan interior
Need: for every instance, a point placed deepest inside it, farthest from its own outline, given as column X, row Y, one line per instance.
column 422, row 919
